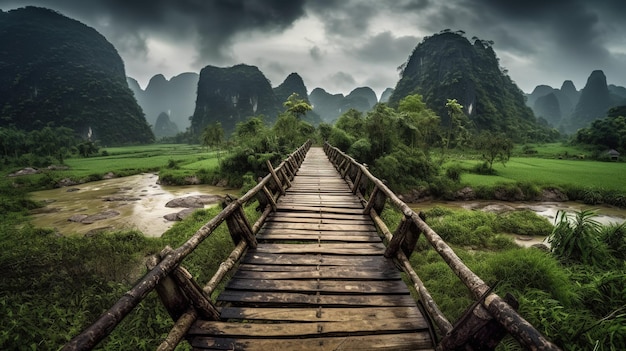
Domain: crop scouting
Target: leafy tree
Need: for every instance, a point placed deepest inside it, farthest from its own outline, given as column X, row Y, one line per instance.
column 213, row 135
column 324, row 130
column 380, row 130
column 352, row 122
column 418, row 125
column 494, row 147
column 297, row 106
column 456, row 126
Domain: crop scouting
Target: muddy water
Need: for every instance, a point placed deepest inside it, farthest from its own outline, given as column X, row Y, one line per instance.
column 138, row 199
column 606, row 214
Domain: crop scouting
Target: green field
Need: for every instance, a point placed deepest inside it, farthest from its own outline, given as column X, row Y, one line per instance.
column 541, row 171
column 121, row 160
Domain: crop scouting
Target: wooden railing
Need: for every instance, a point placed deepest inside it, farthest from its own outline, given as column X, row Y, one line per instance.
column 475, row 327
column 169, row 278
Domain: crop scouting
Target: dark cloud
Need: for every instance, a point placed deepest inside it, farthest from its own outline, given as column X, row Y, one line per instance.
column 316, row 53
column 385, row 48
column 350, row 18
column 212, row 24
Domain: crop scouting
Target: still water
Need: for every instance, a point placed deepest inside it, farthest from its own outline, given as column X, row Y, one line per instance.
column 138, row 199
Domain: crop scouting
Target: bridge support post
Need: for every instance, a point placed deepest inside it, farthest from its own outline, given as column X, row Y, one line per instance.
column 279, row 184
column 404, row 238
column 376, row 201
column 238, row 225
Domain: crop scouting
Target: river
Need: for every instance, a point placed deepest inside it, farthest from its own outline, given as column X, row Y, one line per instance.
column 138, row 199
column 140, row 202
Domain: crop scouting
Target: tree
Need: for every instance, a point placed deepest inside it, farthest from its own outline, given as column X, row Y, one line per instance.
column 213, row 135
column 296, row 106
column 418, row 125
column 456, row 128
column 494, row 147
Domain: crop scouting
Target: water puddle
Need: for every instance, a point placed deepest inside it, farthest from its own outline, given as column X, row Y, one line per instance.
column 135, row 202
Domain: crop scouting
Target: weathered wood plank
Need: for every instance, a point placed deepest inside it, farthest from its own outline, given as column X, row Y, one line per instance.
column 303, row 330
column 320, row 237
column 321, row 226
column 324, row 286
column 339, row 249
column 327, row 272
column 318, row 314
column 316, row 260
column 285, row 299
column 284, row 207
column 392, row 342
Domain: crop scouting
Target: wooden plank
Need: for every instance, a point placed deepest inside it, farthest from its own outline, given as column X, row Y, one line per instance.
column 286, row 299
column 315, row 232
column 382, row 265
column 339, row 249
column 320, row 237
column 321, row 226
column 326, row 209
column 359, row 217
column 303, row 330
column 324, row 286
column 328, row 272
column 391, row 342
column 319, row 314
column 321, row 260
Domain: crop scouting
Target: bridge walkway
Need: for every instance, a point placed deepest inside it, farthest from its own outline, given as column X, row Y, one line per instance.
column 317, row 280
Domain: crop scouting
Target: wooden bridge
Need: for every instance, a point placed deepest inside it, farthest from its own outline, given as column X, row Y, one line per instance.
column 319, row 270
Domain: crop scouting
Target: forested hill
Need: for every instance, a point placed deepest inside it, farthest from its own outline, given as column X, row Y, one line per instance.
column 57, row 71
column 232, row 95
column 447, row 66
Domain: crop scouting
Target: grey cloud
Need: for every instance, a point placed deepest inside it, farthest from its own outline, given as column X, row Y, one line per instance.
column 342, row 80
column 384, row 47
column 344, row 18
column 316, row 53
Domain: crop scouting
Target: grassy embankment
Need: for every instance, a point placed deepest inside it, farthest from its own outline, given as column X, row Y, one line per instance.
column 566, row 168
column 52, row 287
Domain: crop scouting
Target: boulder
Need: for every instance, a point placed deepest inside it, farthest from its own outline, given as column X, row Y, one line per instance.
column 179, row 216
column 88, row 219
column 65, row 182
column 194, row 201
column 24, row 171
column 552, row 195
column 465, row 194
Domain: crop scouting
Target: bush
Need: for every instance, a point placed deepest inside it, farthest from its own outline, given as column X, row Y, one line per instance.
column 454, row 172
column 524, row 222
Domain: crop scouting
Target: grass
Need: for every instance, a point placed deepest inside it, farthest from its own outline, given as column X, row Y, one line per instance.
column 595, row 174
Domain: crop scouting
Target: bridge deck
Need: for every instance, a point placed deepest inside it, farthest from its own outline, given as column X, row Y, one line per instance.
column 318, row 279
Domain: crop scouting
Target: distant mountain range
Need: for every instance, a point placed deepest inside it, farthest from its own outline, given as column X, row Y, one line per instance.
column 60, row 72
column 569, row 109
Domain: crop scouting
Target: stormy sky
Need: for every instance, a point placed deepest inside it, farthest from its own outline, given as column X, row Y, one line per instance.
column 342, row 44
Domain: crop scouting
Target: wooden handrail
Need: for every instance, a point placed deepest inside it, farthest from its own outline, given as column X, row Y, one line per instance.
column 508, row 317
column 103, row 326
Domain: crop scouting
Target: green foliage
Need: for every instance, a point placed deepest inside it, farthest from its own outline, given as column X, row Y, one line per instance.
column 524, row 222
column 578, row 239
column 605, row 133
column 494, row 148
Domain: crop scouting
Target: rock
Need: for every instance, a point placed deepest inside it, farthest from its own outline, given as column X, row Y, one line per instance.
column 416, row 195
column 192, row 180
column 515, row 194
column 109, row 175
column 497, row 208
column 57, row 168
column 465, row 194
column 194, row 201
column 45, row 210
column 71, row 190
column 97, row 231
column 24, row 171
column 120, row 198
column 222, row 183
column 179, row 216
column 88, row 219
column 65, row 182
column 552, row 195
column 77, row 218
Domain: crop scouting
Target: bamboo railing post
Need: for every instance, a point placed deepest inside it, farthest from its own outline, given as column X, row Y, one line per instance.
column 174, row 301
column 201, row 302
column 357, row 181
column 285, row 177
column 279, row 184
column 238, row 225
column 376, row 201
column 404, row 238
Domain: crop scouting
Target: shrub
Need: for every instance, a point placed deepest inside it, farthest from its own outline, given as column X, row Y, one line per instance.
column 454, row 172
column 577, row 239
column 524, row 222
